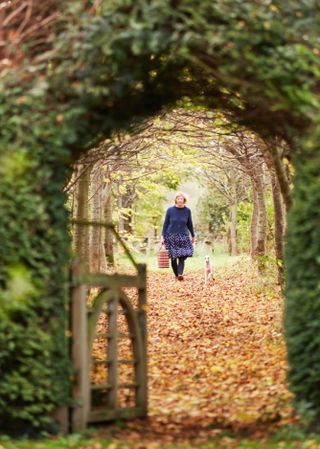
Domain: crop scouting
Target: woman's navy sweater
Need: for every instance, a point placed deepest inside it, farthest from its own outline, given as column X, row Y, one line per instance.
column 178, row 220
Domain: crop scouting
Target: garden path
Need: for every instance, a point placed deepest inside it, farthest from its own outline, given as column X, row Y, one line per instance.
column 217, row 358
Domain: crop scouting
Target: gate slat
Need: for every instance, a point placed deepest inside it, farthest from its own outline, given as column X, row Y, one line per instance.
column 108, row 335
column 101, row 386
column 120, row 361
column 112, row 351
column 80, row 354
column 121, row 413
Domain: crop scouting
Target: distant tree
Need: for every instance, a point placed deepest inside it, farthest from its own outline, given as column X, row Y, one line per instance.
column 213, row 215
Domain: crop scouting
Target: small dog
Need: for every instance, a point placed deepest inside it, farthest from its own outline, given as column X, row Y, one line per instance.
column 208, row 270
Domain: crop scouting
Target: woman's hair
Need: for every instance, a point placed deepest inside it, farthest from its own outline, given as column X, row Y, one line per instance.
column 181, row 194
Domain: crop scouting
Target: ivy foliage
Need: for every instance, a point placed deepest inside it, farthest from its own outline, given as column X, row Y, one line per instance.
column 34, row 253
column 104, row 70
column 303, row 287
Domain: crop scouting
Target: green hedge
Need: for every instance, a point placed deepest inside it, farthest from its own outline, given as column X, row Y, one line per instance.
column 302, row 314
column 34, row 362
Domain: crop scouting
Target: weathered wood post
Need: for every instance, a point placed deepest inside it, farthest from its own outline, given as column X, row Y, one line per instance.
column 142, row 320
column 112, row 354
column 80, row 351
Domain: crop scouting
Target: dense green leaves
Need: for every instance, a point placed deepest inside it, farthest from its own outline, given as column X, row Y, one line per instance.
column 303, row 288
column 107, row 69
column 34, row 361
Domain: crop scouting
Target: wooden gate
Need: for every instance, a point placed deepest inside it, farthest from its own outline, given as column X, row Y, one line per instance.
column 99, row 393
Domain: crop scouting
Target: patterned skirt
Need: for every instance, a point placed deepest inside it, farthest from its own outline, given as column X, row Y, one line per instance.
column 178, row 245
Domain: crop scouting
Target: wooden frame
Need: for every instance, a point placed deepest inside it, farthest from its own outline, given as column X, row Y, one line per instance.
column 83, row 331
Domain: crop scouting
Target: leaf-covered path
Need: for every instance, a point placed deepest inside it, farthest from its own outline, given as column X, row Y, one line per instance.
column 217, row 357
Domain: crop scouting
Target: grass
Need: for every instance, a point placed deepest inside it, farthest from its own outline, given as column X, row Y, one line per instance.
column 74, row 441
column 98, row 441
column 219, row 258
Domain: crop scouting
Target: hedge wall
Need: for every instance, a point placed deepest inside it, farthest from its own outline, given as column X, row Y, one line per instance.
column 302, row 314
column 34, row 362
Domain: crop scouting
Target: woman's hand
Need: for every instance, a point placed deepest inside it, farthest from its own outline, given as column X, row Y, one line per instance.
column 193, row 240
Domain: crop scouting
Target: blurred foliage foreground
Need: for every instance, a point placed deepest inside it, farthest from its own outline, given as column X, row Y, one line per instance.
column 99, row 442
column 89, row 68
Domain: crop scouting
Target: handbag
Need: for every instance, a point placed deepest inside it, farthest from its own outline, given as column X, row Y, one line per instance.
column 163, row 257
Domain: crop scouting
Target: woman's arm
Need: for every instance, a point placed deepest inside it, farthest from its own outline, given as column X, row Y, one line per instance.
column 165, row 224
column 190, row 225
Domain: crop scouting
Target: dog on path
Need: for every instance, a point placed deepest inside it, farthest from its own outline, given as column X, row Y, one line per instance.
column 208, row 270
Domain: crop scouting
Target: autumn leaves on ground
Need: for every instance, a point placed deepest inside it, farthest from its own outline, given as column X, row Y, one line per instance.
column 217, row 358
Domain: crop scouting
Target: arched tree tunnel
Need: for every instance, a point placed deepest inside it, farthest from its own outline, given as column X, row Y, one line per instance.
column 118, row 180
column 105, row 68
column 211, row 140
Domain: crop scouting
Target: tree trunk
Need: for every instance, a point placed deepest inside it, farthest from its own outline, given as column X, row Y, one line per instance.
column 108, row 244
column 260, row 248
column 229, row 241
column 278, row 226
column 254, row 220
column 279, row 215
column 284, row 182
column 120, row 219
column 98, row 263
column 233, row 230
column 81, row 232
column 127, row 201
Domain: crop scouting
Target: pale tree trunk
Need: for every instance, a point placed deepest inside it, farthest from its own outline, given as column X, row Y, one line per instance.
column 127, row 201
column 254, row 220
column 81, row 232
column 74, row 204
column 229, row 240
column 282, row 176
column 279, row 215
column 233, row 229
column 260, row 249
column 284, row 215
column 108, row 244
column 121, row 219
column 278, row 226
column 98, row 263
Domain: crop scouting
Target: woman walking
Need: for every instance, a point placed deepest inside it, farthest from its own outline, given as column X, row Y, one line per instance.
column 176, row 231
